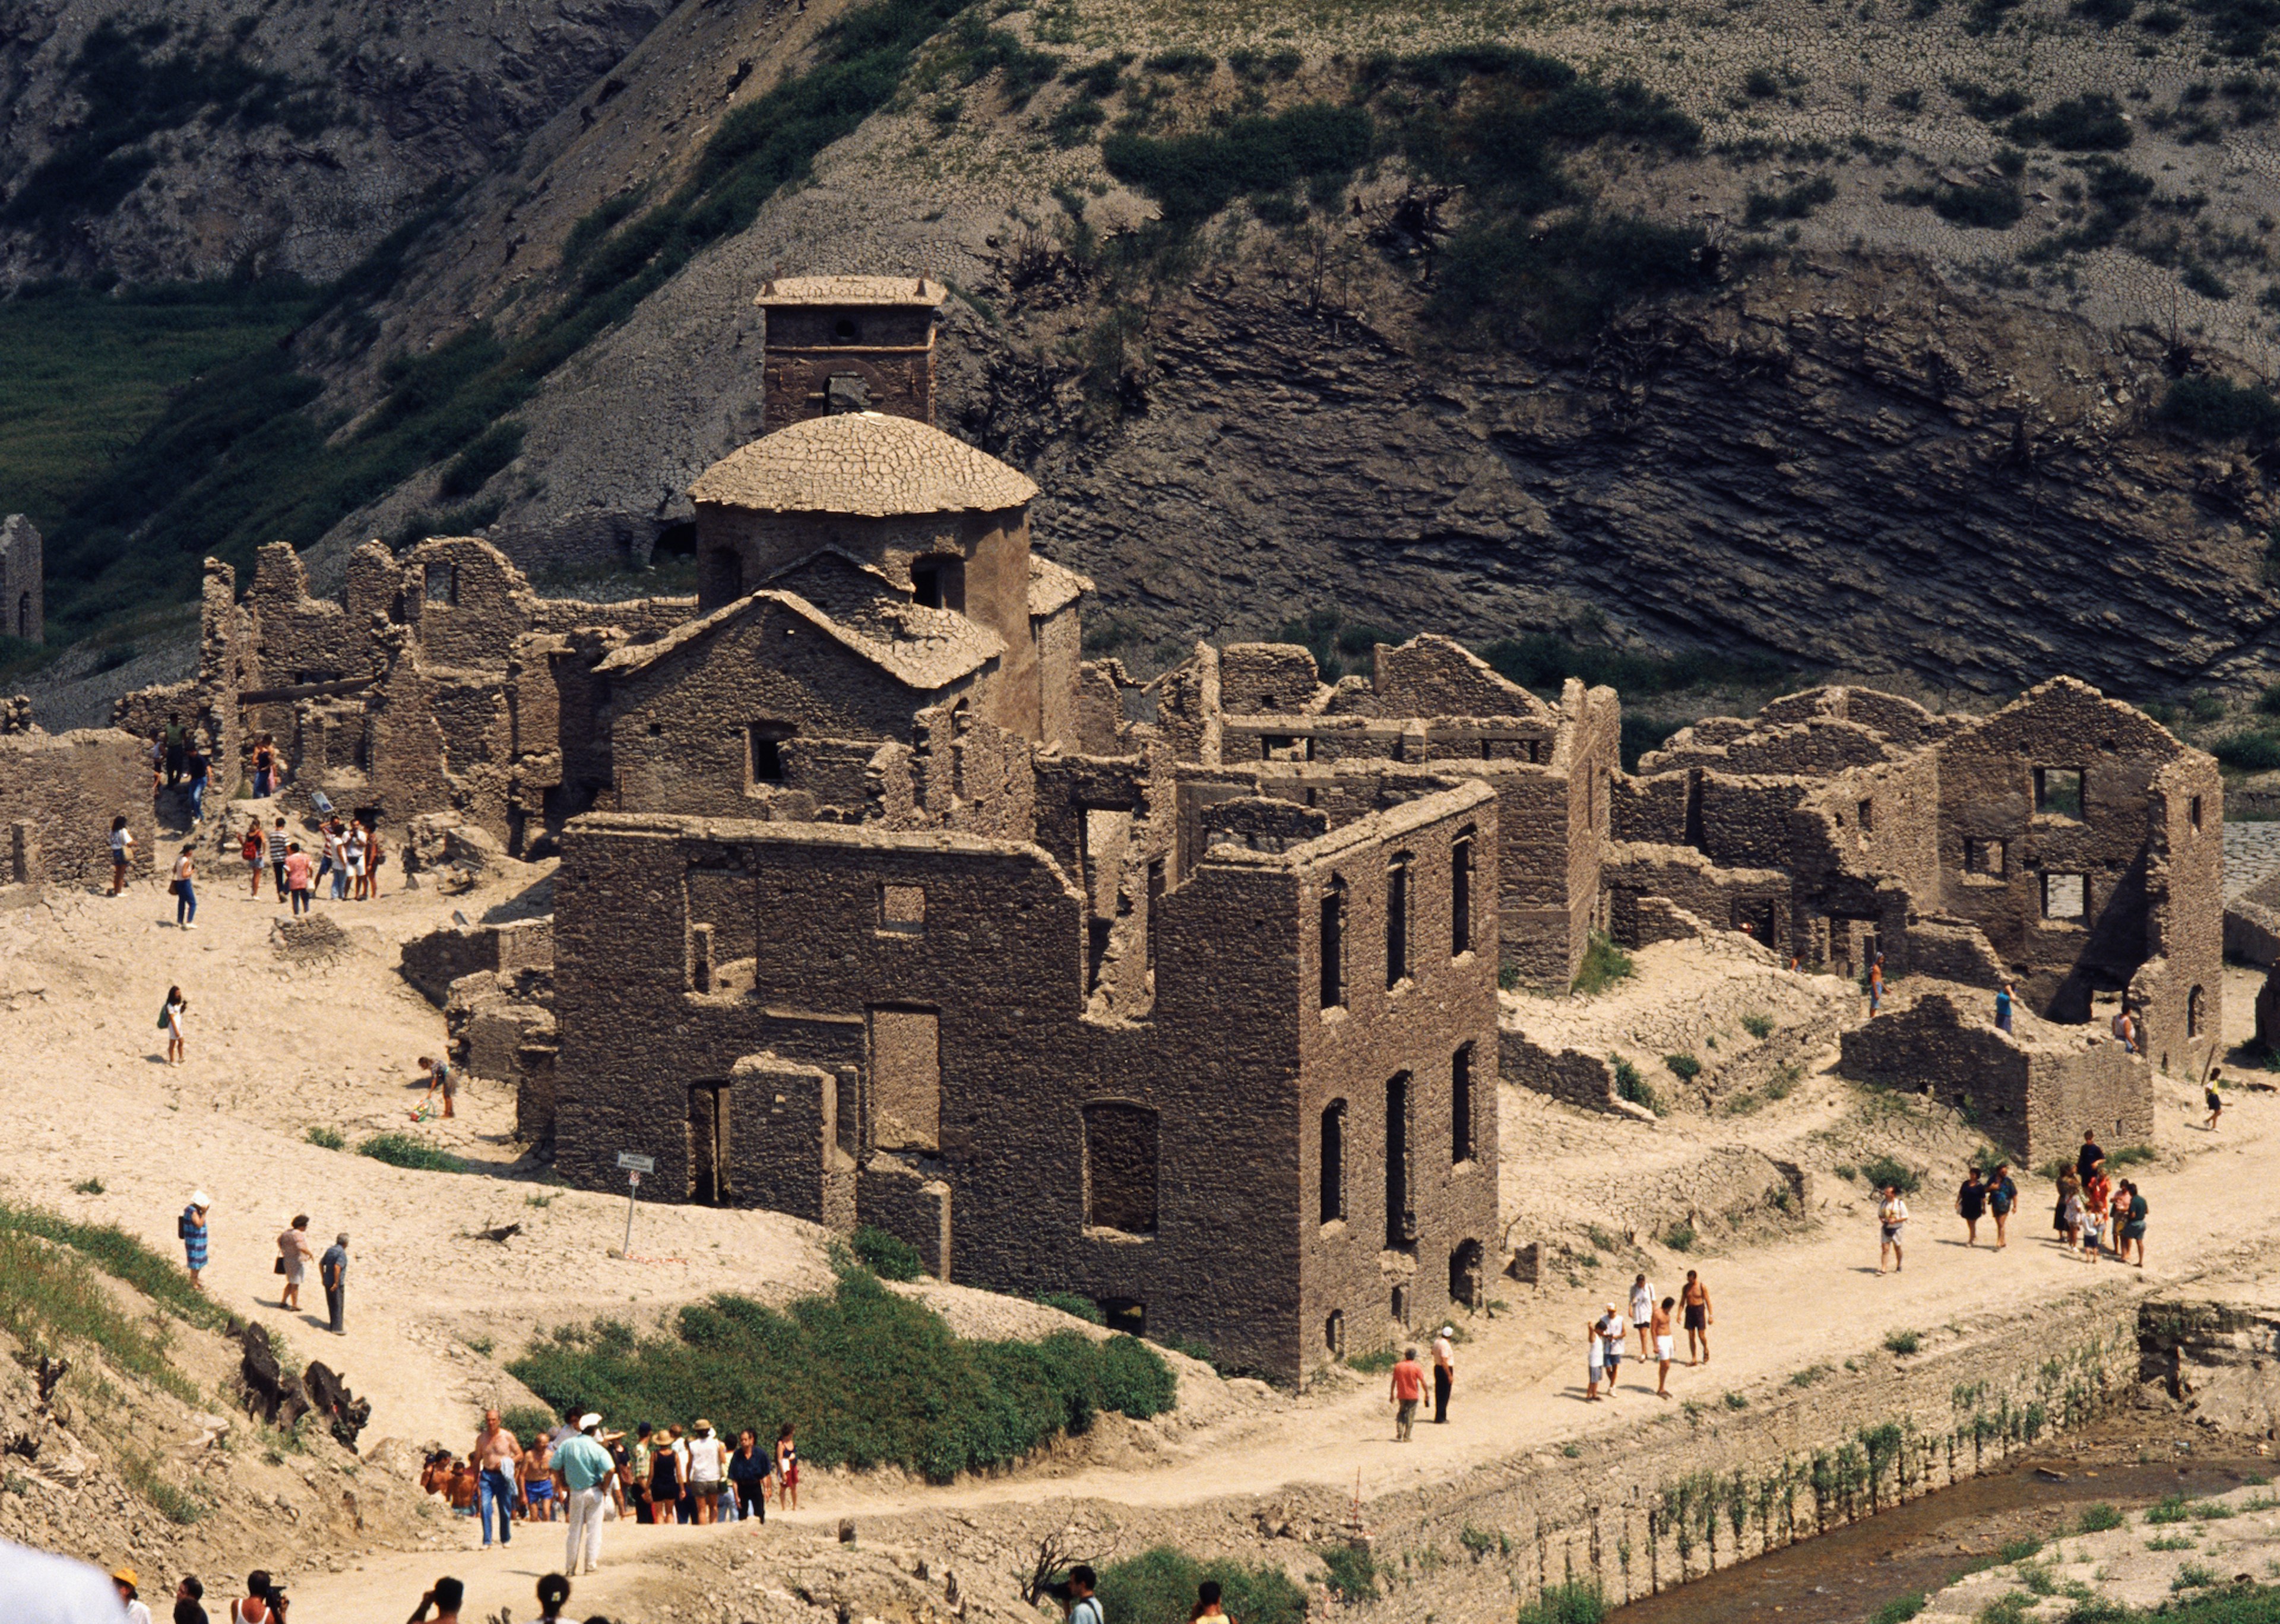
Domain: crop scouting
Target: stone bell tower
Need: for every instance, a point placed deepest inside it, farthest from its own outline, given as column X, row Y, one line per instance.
column 848, row 343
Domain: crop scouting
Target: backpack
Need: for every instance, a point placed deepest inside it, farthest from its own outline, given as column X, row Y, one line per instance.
column 165, row 1008
column 251, row 848
column 181, row 1226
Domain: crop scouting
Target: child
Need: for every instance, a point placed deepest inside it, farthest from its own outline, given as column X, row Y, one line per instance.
column 2213, row 1100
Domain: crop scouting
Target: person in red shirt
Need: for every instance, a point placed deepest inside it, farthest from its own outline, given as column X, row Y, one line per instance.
column 1409, row 1387
column 296, row 876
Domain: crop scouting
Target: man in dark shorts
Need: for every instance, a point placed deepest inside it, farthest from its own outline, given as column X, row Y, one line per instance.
column 2002, row 1195
column 1694, row 1304
column 1970, row 1202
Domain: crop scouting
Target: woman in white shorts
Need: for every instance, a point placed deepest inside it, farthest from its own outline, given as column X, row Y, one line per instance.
column 1595, row 1366
column 1892, row 1222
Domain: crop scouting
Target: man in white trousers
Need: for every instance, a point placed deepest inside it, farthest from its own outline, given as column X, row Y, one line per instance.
column 586, row 1468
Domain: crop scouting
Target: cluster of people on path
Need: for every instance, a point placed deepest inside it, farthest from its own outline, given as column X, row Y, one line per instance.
column 351, row 851
column 1606, row 1337
column 2093, row 1212
column 585, row 1476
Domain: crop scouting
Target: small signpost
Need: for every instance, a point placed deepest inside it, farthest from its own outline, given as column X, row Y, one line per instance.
column 634, row 1167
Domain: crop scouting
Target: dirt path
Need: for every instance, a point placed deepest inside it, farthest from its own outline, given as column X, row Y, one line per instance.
column 276, row 1048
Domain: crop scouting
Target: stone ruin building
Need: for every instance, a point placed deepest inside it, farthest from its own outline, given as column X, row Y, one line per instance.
column 23, row 581
column 880, row 905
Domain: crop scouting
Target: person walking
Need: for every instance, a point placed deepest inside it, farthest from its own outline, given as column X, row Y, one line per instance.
column 586, row 1469
column 191, row 1225
column 295, row 1252
column 295, row 873
column 1660, row 1327
column 253, row 851
column 537, row 1475
column 2003, row 1008
column 1613, row 1332
column 495, row 1453
column 1642, row 1311
column 171, row 1016
column 265, row 770
column 1971, row 1204
column 2214, row 1100
column 333, row 1275
column 1595, row 1361
column 708, row 1462
column 787, row 1470
column 664, row 1478
column 352, row 848
column 375, row 858
column 1877, row 984
column 2131, row 1220
column 2002, row 1195
column 684, row 1509
column 185, row 887
column 1407, row 1387
column 176, row 739
column 1694, row 1308
column 200, row 767
column 1444, row 1373
column 122, row 853
column 748, row 1473
column 281, row 848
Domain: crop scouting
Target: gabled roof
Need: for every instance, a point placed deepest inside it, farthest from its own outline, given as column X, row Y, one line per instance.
column 1053, row 588
column 850, row 290
column 863, row 463
column 945, row 645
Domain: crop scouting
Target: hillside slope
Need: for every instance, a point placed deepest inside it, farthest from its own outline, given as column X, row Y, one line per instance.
column 1841, row 336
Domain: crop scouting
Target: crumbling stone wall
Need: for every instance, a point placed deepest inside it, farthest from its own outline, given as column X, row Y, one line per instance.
column 59, row 793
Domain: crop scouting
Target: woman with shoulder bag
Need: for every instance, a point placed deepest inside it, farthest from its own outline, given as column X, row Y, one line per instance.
column 185, row 888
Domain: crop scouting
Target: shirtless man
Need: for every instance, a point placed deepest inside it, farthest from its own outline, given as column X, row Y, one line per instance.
column 1659, row 1327
column 1694, row 1304
column 495, row 1456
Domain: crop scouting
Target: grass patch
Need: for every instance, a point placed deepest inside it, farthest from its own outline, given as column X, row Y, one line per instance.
column 2195, row 1576
column 1900, row 1609
column 1679, row 1237
column 887, row 1256
column 873, row 1378
column 1881, row 1170
column 326, row 1138
column 1375, row 1363
column 1542, row 662
column 1604, row 965
column 1070, row 1302
column 1760, row 1026
column 1685, row 1067
column 49, row 1297
column 2178, row 1508
column 1630, row 1085
column 1340, row 647
column 1905, row 1343
column 123, row 1257
column 170, row 1500
column 1159, row 1587
column 2097, row 1519
column 399, row 1150
column 87, row 1186
column 1791, row 203
column 2218, row 409
column 1352, row 1571
column 2172, row 1542
column 1575, row 1602
column 1810, row 1374
column 2025, row 1550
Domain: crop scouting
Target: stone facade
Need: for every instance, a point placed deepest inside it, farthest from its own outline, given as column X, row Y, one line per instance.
column 59, row 793
column 848, row 343
column 903, row 1028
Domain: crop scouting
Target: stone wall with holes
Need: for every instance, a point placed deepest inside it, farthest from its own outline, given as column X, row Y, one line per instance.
column 684, row 947
column 58, row 794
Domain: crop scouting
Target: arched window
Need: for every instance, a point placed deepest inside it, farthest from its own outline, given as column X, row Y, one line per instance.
column 2193, row 1002
column 1465, row 1273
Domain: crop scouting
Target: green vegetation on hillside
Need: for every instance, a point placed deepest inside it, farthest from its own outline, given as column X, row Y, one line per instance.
column 50, row 1299
column 1159, row 1587
column 872, row 1378
column 83, row 372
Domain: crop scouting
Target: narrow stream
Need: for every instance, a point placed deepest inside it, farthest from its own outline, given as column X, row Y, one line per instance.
column 1843, row 1576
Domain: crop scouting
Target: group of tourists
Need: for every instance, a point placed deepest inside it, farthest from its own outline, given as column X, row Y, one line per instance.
column 586, row 1476
column 350, row 850
column 2093, row 1211
column 262, row 1602
column 1605, row 1337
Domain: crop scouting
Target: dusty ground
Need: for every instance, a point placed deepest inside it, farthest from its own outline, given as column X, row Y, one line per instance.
column 277, row 1047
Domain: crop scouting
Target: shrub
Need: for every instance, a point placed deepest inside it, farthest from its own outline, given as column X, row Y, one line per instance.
column 87, row 1186
column 1375, row 1363
column 1737, row 1401
column 1904, row 1342
column 1685, row 1067
column 1881, row 1170
column 1352, row 1575
column 2218, row 409
column 399, row 1150
column 1631, row 1086
column 2198, row 278
column 888, row 1256
column 123, row 1257
column 1791, row 203
column 2097, row 1519
column 2022, row 1549
column 1900, row 1609
column 1070, row 1302
column 873, row 1378
column 2093, row 123
column 1193, row 177
column 1575, row 1602
column 326, row 1138
column 527, row 1421
column 1526, row 282
column 1604, row 965
column 1757, row 1026
column 2130, row 1156
column 2193, row 1576
column 1542, row 662
column 1159, row 1587
column 1185, row 62
column 2248, row 752
column 1680, row 1236
column 468, row 473
column 1340, row 647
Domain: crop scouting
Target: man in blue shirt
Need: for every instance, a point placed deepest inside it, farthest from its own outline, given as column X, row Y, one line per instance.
column 333, row 1271
column 586, row 1469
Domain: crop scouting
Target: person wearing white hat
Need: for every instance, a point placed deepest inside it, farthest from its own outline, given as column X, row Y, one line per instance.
column 191, row 1225
column 1444, row 1373
column 586, row 1469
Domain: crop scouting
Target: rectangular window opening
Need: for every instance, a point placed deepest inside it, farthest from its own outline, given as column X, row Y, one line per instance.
column 708, row 1143
column 440, row 583
column 1984, row 857
column 2058, row 791
column 1397, row 922
column 2193, row 811
column 1400, row 1222
column 1155, row 902
column 1868, row 814
column 905, row 1080
column 1461, row 1105
column 902, row 910
column 1119, row 1168
column 1460, row 897
column 1333, row 1180
column 2066, row 897
column 764, row 757
column 1334, row 945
